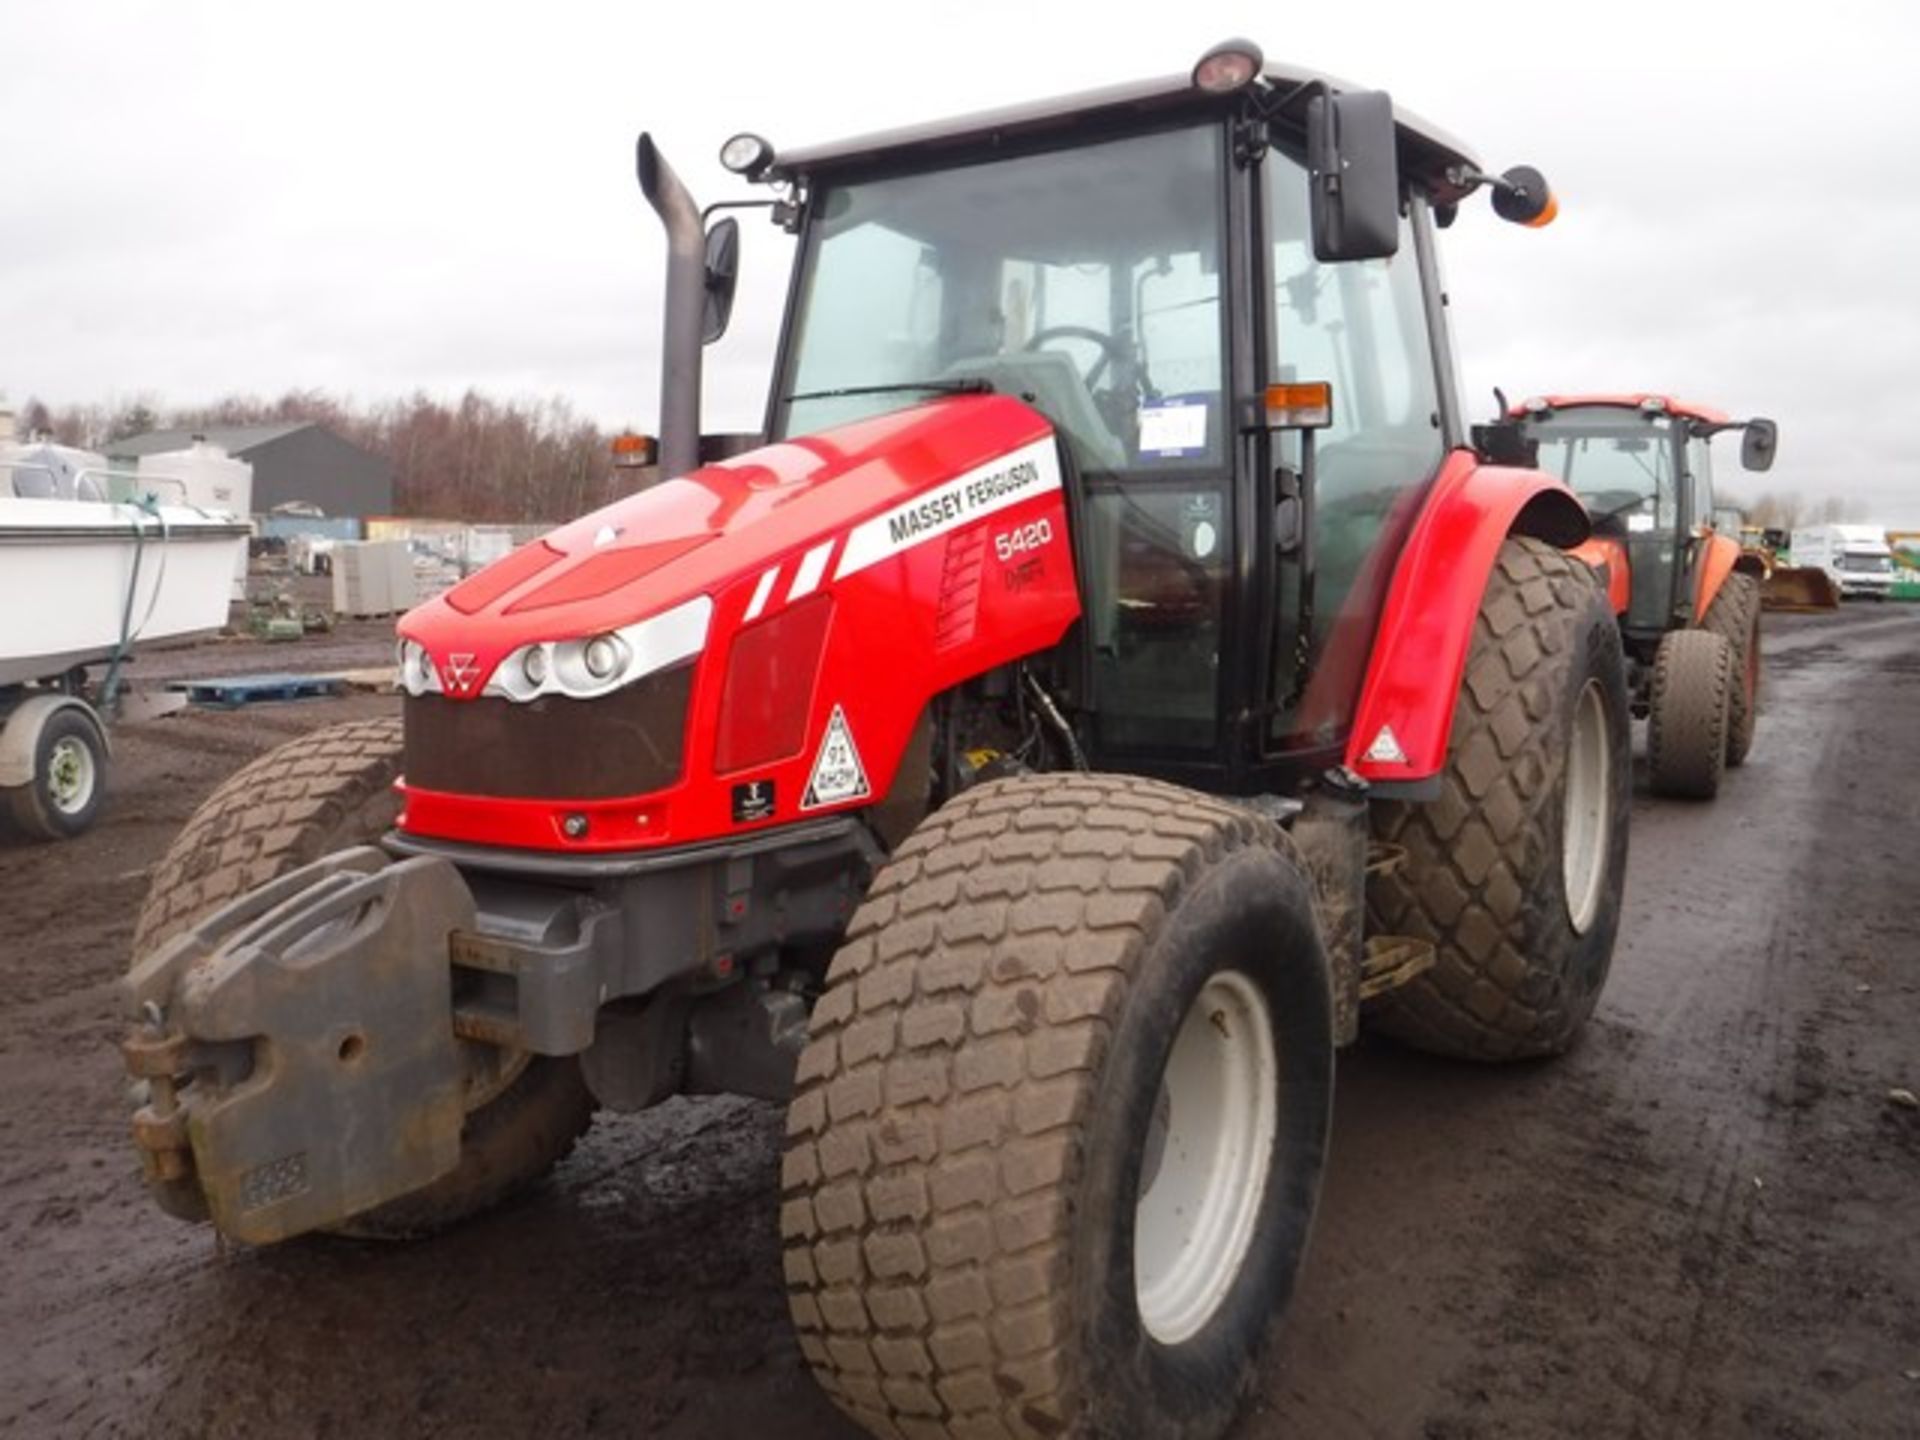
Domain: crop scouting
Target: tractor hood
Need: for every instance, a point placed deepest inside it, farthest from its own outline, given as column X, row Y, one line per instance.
column 753, row 643
column 650, row 567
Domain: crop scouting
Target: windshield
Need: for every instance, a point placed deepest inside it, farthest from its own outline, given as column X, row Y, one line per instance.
column 1085, row 281
column 1618, row 461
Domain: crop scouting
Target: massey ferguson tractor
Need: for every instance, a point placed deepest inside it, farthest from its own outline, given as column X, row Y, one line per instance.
column 1117, row 672
column 1687, row 596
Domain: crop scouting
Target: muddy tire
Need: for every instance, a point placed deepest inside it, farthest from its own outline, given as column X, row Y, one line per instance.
column 1735, row 615
column 1689, row 712
column 1514, row 872
column 69, row 782
column 1019, row 1027
column 323, row 792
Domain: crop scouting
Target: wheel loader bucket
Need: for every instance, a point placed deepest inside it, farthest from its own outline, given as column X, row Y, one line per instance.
column 1799, row 588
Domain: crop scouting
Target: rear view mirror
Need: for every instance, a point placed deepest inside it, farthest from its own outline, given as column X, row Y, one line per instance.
column 723, row 272
column 1757, row 444
column 1354, row 171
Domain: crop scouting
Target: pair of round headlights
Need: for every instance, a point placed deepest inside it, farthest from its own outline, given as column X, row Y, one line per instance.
column 580, row 668
column 599, row 657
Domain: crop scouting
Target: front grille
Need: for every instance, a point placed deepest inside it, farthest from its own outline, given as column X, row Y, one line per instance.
column 631, row 742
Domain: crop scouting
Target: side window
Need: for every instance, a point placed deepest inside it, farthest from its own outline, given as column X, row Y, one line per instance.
column 1360, row 325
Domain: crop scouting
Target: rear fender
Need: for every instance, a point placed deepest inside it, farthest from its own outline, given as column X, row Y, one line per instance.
column 1720, row 556
column 1406, row 705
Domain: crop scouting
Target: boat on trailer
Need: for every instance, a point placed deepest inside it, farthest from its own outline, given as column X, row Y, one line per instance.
column 85, row 578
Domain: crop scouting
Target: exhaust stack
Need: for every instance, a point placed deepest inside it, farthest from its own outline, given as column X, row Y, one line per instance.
column 681, row 340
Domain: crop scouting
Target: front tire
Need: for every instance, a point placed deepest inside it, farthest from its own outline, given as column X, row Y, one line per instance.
column 1689, row 714
column 330, row 790
column 1734, row 615
column 1514, row 873
column 1058, row 1136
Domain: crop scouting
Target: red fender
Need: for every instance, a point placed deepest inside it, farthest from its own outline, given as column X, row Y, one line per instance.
column 1420, row 650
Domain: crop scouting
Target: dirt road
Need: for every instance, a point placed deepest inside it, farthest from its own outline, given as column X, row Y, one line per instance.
column 1701, row 1222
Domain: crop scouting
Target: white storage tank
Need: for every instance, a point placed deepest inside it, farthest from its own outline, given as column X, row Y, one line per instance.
column 204, row 476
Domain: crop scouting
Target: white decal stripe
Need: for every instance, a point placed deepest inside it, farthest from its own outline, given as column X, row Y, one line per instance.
column 807, row 578
column 1020, row 475
column 762, row 592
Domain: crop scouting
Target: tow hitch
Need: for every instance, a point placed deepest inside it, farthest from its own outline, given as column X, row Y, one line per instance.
column 298, row 1048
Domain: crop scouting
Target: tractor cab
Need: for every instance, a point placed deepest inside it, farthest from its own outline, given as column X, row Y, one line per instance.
column 1643, row 467
column 1245, row 359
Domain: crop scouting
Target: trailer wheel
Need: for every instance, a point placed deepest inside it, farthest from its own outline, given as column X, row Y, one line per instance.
column 1689, row 709
column 1514, row 873
column 69, row 782
column 1058, row 1135
column 323, row 792
column 1735, row 615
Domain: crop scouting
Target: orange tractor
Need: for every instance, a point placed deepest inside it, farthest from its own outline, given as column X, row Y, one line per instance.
column 1686, row 594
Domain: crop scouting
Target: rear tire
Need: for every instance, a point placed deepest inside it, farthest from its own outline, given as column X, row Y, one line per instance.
column 1735, row 616
column 1688, row 714
column 327, row 791
column 1016, row 1032
column 1514, row 873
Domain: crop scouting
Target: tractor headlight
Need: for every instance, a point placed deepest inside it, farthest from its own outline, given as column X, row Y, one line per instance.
column 417, row 675
column 594, row 665
column 602, row 656
column 747, row 154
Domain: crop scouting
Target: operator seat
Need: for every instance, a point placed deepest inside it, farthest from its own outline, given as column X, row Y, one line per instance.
column 1049, row 382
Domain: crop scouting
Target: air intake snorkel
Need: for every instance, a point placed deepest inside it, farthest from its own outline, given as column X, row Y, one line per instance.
column 682, row 332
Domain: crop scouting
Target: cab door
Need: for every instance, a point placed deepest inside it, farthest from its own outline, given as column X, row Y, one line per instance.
column 1361, row 326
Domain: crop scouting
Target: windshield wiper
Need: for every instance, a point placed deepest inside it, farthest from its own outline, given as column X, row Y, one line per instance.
column 939, row 387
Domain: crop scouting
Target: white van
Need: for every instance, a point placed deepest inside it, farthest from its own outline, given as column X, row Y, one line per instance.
column 1855, row 556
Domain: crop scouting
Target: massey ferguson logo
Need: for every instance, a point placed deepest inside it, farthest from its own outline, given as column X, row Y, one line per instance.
column 459, row 673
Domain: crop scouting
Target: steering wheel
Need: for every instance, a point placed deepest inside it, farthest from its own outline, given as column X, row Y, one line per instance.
column 1111, row 350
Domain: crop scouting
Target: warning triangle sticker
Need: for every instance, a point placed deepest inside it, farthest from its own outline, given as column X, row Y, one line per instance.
column 1386, row 748
column 838, row 775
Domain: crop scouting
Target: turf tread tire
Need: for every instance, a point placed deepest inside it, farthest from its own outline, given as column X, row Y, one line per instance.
column 1735, row 614
column 318, row 793
column 955, row 1054
column 1689, row 710
column 1481, row 879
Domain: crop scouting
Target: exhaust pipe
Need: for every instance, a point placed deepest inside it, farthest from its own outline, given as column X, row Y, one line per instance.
column 681, row 342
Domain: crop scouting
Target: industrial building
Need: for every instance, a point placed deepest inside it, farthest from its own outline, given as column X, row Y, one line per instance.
column 297, row 463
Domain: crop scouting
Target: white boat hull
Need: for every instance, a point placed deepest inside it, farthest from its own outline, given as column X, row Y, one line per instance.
column 69, row 567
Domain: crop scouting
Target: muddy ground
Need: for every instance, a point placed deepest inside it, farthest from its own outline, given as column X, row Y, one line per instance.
column 1705, row 1221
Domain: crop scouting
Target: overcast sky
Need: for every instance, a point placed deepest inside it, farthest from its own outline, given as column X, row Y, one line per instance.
column 201, row 199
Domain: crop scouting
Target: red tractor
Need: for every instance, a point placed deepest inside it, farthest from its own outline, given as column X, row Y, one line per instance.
column 1687, row 596
column 1116, row 667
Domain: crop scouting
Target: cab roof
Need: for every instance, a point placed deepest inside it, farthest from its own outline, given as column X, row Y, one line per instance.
column 1643, row 400
column 1426, row 150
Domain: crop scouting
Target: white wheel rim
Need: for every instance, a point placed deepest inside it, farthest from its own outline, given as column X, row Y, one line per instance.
column 1207, row 1159
column 71, row 775
column 1583, row 850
